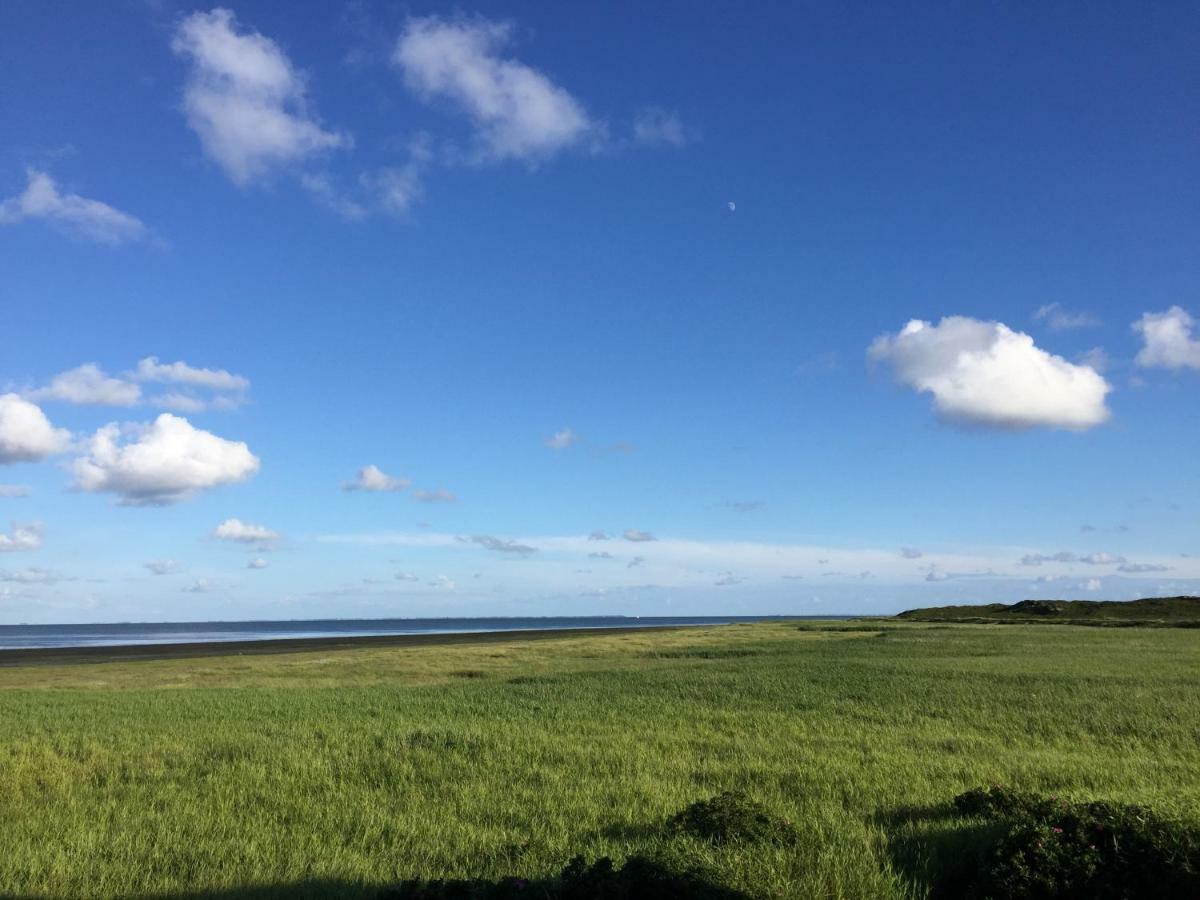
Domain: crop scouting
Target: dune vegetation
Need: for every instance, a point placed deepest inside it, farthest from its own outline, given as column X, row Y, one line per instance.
column 1176, row 612
column 765, row 760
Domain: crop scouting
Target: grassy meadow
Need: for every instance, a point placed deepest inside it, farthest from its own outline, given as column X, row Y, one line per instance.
column 333, row 774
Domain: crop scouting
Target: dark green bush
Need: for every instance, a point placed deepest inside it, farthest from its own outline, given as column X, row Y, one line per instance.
column 638, row 879
column 729, row 817
column 996, row 802
column 1081, row 851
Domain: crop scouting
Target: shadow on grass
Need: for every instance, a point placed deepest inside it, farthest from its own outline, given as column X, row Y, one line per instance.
column 935, row 849
column 638, row 879
column 308, row 889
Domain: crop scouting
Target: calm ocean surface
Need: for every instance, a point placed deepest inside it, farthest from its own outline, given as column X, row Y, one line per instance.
column 16, row 637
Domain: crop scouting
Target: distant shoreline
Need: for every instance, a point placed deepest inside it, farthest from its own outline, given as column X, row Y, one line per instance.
column 197, row 649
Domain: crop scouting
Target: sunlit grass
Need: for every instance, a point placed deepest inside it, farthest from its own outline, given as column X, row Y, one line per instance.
column 336, row 772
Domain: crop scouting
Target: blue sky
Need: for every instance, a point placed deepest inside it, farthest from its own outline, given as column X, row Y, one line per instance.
column 553, row 272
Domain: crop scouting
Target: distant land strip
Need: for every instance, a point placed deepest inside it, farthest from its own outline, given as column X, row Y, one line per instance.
column 1149, row 612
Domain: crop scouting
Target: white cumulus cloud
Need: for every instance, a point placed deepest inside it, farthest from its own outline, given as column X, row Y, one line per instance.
column 1167, row 340
column 160, row 463
column 244, row 532
column 21, row 537
column 372, row 478
column 86, row 218
column 245, row 100
column 518, row 112
column 984, row 373
column 26, row 435
column 162, row 566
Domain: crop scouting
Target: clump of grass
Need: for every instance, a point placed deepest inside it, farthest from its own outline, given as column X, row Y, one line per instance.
column 730, row 817
column 1081, row 851
column 707, row 653
column 532, row 679
column 441, row 740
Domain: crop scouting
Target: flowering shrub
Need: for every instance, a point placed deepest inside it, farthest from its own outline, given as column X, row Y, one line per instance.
column 731, row 817
column 1099, row 851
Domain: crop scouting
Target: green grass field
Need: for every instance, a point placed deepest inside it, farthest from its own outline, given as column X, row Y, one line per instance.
column 331, row 774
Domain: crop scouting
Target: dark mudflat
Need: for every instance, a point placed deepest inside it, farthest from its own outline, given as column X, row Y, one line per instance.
column 68, row 655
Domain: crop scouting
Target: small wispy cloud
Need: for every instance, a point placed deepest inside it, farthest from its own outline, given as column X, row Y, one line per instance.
column 517, row 112
column 1059, row 318
column 499, row 545
column 79, row 216
column 1065, row 556
column 245, row 100
column 88, row 385
column 1142, row 568
column 162, row 566
column 744, row 506
column 633, row 534
column 658, row 127
column 195, row 389
column 562, row 439
column 438, row 495
column 32, row 575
